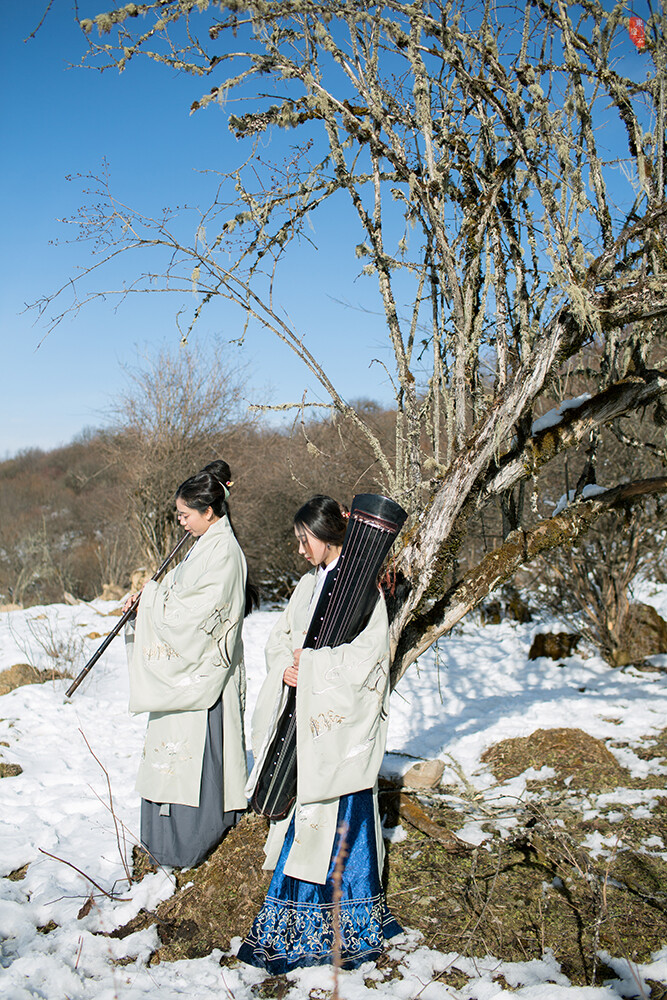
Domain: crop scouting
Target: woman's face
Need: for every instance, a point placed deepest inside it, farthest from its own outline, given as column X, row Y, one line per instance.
column 317, row 553
column 192, row 520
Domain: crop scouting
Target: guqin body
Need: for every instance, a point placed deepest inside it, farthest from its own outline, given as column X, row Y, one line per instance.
column 343, row 610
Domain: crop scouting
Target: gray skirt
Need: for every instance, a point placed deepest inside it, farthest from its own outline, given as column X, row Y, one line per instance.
column 182, row 836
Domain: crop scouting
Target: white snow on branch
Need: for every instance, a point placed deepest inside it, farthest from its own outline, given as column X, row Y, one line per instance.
column 592, row 490
column 553, row 417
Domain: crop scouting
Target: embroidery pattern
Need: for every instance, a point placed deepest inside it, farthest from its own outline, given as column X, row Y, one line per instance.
column 166, row 756
column 305, row 932
column 377, row 679
column 325, row 722
column 294, row 928
column 160, row 651
column 218, row 623
column 305, row 816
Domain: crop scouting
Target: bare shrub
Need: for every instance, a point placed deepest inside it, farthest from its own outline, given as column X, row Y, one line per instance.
column 60, row 647
column 588, row 585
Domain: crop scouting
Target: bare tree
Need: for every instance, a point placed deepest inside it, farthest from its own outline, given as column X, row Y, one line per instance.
column 178, row 411
column 503, row 170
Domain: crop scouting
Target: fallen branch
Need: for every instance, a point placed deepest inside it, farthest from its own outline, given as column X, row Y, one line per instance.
column 410, row 810
column 121, row 850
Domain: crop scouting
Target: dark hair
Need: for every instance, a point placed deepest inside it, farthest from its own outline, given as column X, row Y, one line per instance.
column 210, row 488
column 207, row 489
column 325, row 518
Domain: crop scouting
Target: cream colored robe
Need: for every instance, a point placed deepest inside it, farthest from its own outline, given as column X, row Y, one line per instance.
column 187, row 649
column 342, row 701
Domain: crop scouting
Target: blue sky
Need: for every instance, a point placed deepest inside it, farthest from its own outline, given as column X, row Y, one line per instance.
column 59, row 121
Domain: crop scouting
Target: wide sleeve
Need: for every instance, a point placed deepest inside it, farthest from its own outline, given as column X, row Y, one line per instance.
column 188, row 632
column 282, row 641
column 342, row 708
column 286, row 635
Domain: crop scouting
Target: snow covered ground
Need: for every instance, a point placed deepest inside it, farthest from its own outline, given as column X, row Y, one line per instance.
column 476, row 689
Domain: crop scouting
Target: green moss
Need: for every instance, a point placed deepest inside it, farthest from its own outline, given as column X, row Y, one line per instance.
column 213, row 902
column 514, row 899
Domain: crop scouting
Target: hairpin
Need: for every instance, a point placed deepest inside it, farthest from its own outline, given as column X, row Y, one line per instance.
column 224, row 487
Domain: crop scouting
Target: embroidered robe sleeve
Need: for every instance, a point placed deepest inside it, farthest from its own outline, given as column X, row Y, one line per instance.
column 188, row 633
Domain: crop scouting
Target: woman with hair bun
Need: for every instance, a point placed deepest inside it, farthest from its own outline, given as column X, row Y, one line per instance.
column 342, row 701
column 187, row 672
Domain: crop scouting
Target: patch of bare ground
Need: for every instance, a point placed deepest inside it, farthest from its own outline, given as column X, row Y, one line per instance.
column 575, row 876
column 214, row 902
column 570, row 868
column 18, row 874
column 23, row 673
column 275, row 988
column 574, row 755
column 654, row 748
column 8, row 770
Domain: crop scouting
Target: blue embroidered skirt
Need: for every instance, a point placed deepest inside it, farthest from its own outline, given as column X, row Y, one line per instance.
column 295, row 926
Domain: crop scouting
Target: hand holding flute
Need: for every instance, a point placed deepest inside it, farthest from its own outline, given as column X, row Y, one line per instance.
column 129, row 609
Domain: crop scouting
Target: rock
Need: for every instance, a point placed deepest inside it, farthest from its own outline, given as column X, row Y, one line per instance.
column 644, row 634
column 555, row 645
column 425, row 774
column 112, row 592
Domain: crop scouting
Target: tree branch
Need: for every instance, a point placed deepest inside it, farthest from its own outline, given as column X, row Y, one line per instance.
column 574, row 426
